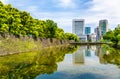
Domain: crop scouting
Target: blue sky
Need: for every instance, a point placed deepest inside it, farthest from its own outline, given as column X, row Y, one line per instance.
column 63, row 11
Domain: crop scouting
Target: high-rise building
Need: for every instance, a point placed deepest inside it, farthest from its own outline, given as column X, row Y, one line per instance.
column 78, row 26
column 79, row 29
column 101, row 29
column 87, row 30
column 103, row 26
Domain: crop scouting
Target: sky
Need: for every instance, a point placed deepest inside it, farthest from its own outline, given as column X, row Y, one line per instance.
column 63, row 11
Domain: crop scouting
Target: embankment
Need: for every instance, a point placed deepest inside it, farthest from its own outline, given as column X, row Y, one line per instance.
column 10, row 44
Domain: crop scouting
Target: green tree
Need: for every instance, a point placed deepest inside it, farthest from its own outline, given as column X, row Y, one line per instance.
column 60, row 33
column 71, row 36
column 51, row 28
column 20, row 23
column 113, row 36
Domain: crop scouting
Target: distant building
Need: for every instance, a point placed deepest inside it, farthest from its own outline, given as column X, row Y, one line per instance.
column 93, row 37
column 101, row 29
column 78, row 26
column 79, row 29
column 97, row 31
column 87, row 30
column 103, row 26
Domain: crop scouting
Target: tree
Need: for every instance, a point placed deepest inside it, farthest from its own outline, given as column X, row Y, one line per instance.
column 60, row 33
column 20, row 23
column 71, row 36
column 113, row 36
column 51, row 28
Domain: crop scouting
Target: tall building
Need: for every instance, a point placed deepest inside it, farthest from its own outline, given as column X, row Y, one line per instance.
column 78, row 26
column 79, row 29
column 103, row 26
column 87, row 30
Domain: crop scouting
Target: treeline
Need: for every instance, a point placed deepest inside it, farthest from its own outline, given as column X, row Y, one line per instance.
column 113, row 36
column 20, row 23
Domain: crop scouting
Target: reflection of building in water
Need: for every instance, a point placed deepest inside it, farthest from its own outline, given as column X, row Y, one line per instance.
column 93, row 48
column 100, row 52
column 78, row 56
column 88, row 52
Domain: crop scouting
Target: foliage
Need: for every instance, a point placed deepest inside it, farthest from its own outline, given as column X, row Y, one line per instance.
column 20, row 23
column 113, row 36
column 70, row 36
column 113, row 57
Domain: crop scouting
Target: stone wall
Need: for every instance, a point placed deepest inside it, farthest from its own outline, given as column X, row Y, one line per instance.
column 10, row 44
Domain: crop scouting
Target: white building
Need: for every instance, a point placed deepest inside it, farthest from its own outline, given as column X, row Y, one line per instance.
column 93, row 37
column 79, row 29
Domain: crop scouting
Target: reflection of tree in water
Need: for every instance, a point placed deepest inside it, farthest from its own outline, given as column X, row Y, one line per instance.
column 113, row 57
column 29, row 65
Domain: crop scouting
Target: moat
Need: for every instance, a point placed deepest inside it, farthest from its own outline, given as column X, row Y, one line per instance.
column 73, row 62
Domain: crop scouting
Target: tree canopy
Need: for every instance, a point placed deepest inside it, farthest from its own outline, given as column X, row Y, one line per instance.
column 20, row 23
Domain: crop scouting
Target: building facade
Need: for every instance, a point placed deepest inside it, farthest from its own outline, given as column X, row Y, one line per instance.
column 97, row 31
column 78, row 26
column 87, row 30
column 93, row 37
column 79, row 29
column 103, row 27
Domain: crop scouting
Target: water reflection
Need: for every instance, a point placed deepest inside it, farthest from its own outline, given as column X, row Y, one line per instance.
column 78, row 56
column 88, row 62
column 88, row 51
column 29, row 65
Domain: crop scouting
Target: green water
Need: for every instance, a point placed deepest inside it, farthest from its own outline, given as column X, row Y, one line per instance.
column 66, row 62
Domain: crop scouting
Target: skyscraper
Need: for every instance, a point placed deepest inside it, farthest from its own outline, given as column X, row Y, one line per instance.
column 103, row 26
column 79, row 29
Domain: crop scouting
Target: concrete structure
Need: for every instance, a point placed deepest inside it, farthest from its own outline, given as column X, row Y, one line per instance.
column 103, row 26
column 79, row 29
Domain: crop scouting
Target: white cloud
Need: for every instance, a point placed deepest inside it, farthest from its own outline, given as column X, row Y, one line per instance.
column 106, row 9
column 66, row 3
column 63, row 19
column 99, row 9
